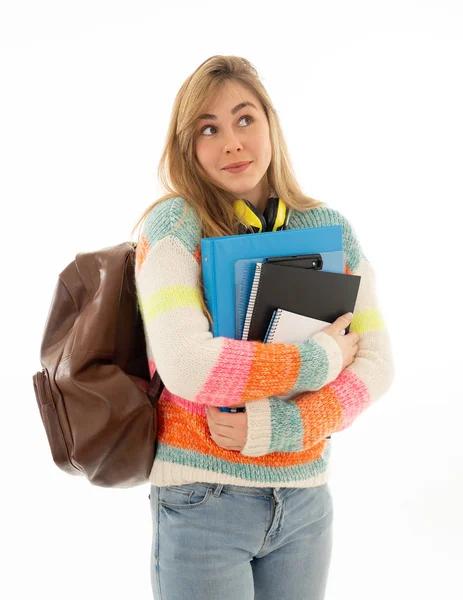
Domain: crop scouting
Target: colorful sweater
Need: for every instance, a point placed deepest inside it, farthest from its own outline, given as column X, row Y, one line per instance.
column 287, row 442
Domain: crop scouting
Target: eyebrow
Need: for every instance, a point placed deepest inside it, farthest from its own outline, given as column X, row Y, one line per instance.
column 237, row 108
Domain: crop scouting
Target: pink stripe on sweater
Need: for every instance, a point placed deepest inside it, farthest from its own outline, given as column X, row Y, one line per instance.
column 152, row 367
column 191, row 407
column 352, row 394
column 229, row 377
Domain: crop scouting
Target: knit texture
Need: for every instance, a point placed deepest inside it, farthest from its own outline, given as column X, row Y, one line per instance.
column 296, row 394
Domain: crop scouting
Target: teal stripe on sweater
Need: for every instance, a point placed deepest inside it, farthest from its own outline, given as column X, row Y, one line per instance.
column 324, row 216
column 287, row 426
column 311, row 354
column 248, row 472
column 164, row 216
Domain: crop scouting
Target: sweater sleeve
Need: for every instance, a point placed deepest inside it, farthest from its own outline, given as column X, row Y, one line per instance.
column 191, row 362
column 298, row 423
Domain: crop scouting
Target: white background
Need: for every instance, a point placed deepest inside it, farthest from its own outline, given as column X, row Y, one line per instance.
column 370, row 98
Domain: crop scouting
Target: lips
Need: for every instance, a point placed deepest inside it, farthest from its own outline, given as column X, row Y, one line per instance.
column 243, row 167
column 238, row 164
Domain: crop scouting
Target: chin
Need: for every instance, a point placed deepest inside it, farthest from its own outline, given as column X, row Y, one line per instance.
column 241, row 187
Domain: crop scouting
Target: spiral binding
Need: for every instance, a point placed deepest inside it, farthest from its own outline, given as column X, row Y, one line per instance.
column 243, row 298
column 273, row 325
column 252, row 300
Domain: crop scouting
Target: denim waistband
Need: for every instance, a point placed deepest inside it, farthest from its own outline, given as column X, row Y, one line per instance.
column 217, row 488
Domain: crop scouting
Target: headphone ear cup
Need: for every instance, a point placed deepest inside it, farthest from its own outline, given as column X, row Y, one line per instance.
column 275, row 214
column 250, row 215
column 270, row 213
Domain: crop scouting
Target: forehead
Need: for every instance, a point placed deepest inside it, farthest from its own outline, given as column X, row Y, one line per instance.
column 227, row 99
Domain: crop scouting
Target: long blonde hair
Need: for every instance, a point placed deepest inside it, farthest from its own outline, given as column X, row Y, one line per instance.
column 179, row 170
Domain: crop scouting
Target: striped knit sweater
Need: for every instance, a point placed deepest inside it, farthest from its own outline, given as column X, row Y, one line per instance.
column 287, row 442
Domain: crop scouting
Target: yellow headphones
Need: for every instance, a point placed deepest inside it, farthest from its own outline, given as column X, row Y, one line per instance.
column 274, row 217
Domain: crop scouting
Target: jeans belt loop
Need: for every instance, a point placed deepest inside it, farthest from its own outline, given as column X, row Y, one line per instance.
column 218, row 490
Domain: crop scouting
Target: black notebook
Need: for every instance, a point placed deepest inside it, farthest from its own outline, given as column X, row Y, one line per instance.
column 319, row 294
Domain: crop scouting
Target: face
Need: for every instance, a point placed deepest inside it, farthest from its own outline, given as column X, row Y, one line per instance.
column 231, row 134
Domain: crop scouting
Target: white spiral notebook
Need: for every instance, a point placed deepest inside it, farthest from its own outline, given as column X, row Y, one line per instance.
column 289, row 328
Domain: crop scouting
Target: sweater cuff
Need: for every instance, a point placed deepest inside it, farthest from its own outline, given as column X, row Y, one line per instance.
column 333, row 355
column 259, row 434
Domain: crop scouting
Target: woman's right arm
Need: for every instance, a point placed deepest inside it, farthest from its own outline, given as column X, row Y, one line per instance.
column 191, row 362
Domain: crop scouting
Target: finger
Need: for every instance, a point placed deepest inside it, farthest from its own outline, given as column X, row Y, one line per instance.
column 213, row 411
column 343, row 321
column 210, row 414
column 225, row 431
column 232, row 448
column 217, row 428
column 222, row 440
column 215, row 415
column 228, row 445
column 225, row 419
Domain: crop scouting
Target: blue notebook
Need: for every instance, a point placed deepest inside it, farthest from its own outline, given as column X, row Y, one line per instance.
column 228, row 264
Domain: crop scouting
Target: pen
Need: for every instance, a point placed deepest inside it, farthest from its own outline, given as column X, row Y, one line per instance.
column 232, row 410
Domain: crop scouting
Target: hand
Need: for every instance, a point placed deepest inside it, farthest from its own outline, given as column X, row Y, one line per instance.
column 228, row 430
column 348, row 342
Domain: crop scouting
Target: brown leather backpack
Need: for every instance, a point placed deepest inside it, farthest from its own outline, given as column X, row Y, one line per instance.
column 94, row 393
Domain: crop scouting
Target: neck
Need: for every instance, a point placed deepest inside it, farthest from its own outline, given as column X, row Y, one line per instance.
column 261, row 198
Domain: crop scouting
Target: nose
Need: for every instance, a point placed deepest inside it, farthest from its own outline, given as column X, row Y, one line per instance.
column 232, row 142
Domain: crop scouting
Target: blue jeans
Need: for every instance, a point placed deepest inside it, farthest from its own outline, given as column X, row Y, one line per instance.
column 240, row 543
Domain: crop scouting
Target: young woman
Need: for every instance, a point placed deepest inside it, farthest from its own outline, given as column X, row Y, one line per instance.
column 240, row 502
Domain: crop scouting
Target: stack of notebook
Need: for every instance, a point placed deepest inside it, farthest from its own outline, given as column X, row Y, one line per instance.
column 277, row 286
column 291, row 300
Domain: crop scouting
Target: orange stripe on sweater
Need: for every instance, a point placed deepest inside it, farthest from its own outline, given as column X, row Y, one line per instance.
column 141, row 251
column 197, row 253
column 181, row 429
column 269, row 361
column 321, row 411
column 347, row 271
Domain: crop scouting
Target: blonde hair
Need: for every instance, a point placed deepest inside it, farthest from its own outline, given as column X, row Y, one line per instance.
column 181, row 174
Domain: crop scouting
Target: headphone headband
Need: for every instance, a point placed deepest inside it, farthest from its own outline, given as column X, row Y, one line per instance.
column 274, row 217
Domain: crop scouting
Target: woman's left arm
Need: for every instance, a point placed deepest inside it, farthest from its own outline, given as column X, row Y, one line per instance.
column 281, row 425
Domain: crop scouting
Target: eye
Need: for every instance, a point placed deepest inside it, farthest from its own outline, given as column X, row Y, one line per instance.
column 214, row 127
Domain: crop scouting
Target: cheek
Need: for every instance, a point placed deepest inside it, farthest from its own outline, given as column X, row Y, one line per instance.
column 264, row 144
column 264, row 152
column 204, row 155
